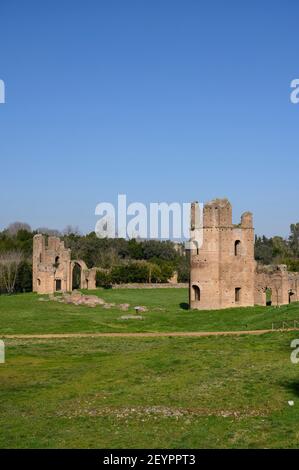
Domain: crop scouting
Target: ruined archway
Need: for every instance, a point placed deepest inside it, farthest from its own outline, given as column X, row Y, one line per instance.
column 54, row 270
column 268, row 292
column 76, row 276
column 292, row 296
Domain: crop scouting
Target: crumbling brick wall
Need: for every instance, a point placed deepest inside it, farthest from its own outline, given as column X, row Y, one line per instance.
column 53, row 268
column 223, row 271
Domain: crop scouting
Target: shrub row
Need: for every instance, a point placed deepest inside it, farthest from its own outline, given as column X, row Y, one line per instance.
column 134, row 271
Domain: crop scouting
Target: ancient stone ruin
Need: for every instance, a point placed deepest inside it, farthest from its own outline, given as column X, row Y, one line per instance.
column 55, row 271
column 223, row 271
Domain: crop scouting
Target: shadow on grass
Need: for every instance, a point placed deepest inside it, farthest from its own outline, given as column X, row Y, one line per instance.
column 292, row 386
column 184, row 305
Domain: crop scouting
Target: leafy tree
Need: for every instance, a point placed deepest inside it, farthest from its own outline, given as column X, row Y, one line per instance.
column 103, row 278
column 24, row 277
column 263, row 250
column 135, row 249
column 294, row 239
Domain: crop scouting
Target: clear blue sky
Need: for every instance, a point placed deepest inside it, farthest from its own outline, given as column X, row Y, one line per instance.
column 164, row 100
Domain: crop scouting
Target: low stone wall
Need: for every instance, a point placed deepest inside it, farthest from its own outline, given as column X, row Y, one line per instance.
column 166, row 285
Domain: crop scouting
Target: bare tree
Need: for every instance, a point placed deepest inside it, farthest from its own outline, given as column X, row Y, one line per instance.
column 9, row 264
column 71, row 230
column 107, row 258
column 13, row 228
column 49, row 231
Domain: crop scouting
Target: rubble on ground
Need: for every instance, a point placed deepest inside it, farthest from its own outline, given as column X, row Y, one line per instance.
column 140, row 308
column 131, row 317
column 77, row 298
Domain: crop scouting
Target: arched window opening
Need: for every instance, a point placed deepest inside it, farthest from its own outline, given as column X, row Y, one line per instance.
column 237, row 247
column 196, row 291
column 268, row 296
column 76, row 277
column 291, row 293
column 237, row 294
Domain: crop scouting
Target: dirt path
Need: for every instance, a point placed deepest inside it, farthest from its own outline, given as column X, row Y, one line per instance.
column 196, row 334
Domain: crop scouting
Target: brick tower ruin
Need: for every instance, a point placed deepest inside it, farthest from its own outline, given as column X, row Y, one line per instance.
column 53, row 267
column 222, row 270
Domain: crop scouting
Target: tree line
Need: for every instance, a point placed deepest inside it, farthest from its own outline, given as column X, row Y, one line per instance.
column 278, row 250
column 122, row 260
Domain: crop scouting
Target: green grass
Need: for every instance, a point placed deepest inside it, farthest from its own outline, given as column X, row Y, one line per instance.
column 146, row 392
column 161, row 392
column 24, row 313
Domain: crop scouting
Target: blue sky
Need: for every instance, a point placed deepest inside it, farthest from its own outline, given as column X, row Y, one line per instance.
column 164, row 100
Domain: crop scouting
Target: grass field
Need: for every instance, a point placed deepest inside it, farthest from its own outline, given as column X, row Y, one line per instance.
column 24, row 313
column 107, row 392
column 146, row 392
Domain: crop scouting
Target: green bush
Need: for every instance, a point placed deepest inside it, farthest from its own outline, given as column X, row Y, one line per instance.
column 24, row 277
column 141, row 271
column 103, row 279
column 130, row 272
column 292, row 264
column 154, row 272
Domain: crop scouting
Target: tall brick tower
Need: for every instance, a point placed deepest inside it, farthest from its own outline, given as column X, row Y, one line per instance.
column 51, row 265
column 222, row 268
